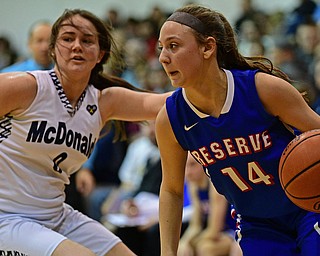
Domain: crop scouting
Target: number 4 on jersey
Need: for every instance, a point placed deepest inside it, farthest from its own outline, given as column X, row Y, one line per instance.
column 255, row 173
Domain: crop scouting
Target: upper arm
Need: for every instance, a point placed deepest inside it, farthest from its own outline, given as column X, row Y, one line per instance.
column 283, row 100
column 123, row 104
column 173, row 156
column 17, row 91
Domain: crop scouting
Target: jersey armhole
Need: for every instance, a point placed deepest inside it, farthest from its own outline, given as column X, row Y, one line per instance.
column 174, row 119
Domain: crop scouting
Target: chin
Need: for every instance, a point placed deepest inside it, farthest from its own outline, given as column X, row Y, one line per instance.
column 176, row 84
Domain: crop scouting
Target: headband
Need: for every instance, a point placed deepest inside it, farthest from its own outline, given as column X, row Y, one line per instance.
column 188, row 20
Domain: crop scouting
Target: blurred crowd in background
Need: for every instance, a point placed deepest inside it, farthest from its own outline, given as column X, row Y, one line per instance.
column 291, row 40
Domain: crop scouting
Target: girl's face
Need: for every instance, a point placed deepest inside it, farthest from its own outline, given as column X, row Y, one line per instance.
column 77, row 47
column 194, row 172
column 180, row 54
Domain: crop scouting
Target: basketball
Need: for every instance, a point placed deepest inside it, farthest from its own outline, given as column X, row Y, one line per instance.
column 299, row 170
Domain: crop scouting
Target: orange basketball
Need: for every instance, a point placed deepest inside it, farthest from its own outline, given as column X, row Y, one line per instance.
column 299, row 170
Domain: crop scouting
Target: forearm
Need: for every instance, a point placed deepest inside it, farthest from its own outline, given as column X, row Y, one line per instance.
column 217, row 216
column 170, row 222
column 195, row 222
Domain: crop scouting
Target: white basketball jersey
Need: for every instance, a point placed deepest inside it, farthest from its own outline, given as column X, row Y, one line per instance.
column 41, row 147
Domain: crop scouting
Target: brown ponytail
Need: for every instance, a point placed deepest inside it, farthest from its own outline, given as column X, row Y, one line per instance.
column 228, row 56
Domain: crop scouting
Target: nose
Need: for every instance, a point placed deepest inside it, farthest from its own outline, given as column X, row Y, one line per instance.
column 76, row 45
column 163, row 57
column 44, row 45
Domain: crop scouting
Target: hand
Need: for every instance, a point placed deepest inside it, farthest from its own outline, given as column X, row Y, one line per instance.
column 217, row 245
column 206, row 235
column 85, row 181
column 185, row 249
column 186, row 244
column 129, row 208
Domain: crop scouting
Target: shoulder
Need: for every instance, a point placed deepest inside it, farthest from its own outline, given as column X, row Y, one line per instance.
column 162, row 118
column 163, row 126
column 162, row 122
column 19, row 79
column 270, row 85
column 275, row 92
column 18, row 89
column 175, row 100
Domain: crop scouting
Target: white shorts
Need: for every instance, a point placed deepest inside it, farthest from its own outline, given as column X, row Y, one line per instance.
column 29, row 237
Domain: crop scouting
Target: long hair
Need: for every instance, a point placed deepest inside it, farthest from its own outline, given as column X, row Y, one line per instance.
column 98, row 78
column 228, row 56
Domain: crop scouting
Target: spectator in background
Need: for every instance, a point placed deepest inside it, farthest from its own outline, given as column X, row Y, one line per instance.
column 98, row 177
column 152, row 25
column 157, row 17
column 156, row 78
column 134, row 54
column 315, row 104
column 113, row 19
column 147, row 32
column 250, row 40
column 303, row 12
column 253, row 28
column 7, row 54
column 283, row 55
column 306, row 42
column 38, row 44
column 144, row 239
column 211, row 227
column 249, row 12
column 142, row 147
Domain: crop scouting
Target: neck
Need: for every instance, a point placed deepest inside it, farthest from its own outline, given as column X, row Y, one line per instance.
column 73, row 86
column 210, row 95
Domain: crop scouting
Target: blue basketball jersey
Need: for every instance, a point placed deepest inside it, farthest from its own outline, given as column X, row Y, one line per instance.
column 239, row 150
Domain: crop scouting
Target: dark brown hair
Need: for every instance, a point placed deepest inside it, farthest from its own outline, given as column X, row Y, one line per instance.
column 98, row 79
column 228, row 56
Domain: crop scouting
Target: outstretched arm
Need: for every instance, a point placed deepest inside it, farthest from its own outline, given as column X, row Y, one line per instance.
column 123, row 104
column 173, row 160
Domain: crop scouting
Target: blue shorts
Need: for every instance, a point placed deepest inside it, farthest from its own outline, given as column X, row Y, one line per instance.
column 294, row 234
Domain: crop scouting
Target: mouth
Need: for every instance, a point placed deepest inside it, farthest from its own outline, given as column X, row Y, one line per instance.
column 77, row 58
column 173, row 73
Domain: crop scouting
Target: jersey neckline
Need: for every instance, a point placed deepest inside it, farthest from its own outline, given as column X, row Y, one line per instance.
column 63, row 98
column 229, row 99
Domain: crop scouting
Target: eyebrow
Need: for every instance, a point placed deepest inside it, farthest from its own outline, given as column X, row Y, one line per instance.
column 73, row 33
column 170, row 38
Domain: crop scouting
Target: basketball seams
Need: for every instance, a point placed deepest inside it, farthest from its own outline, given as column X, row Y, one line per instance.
column 295, row 176
column 286, row 151
column 300, row 173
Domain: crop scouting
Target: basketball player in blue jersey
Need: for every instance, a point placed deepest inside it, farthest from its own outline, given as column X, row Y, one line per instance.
column 235, row 116
column 49, row 124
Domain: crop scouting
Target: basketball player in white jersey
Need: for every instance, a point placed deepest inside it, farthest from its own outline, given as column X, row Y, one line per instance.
column 49, row 124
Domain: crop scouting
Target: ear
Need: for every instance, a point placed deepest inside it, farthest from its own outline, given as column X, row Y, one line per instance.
column 101, row 54
column 210, row 47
